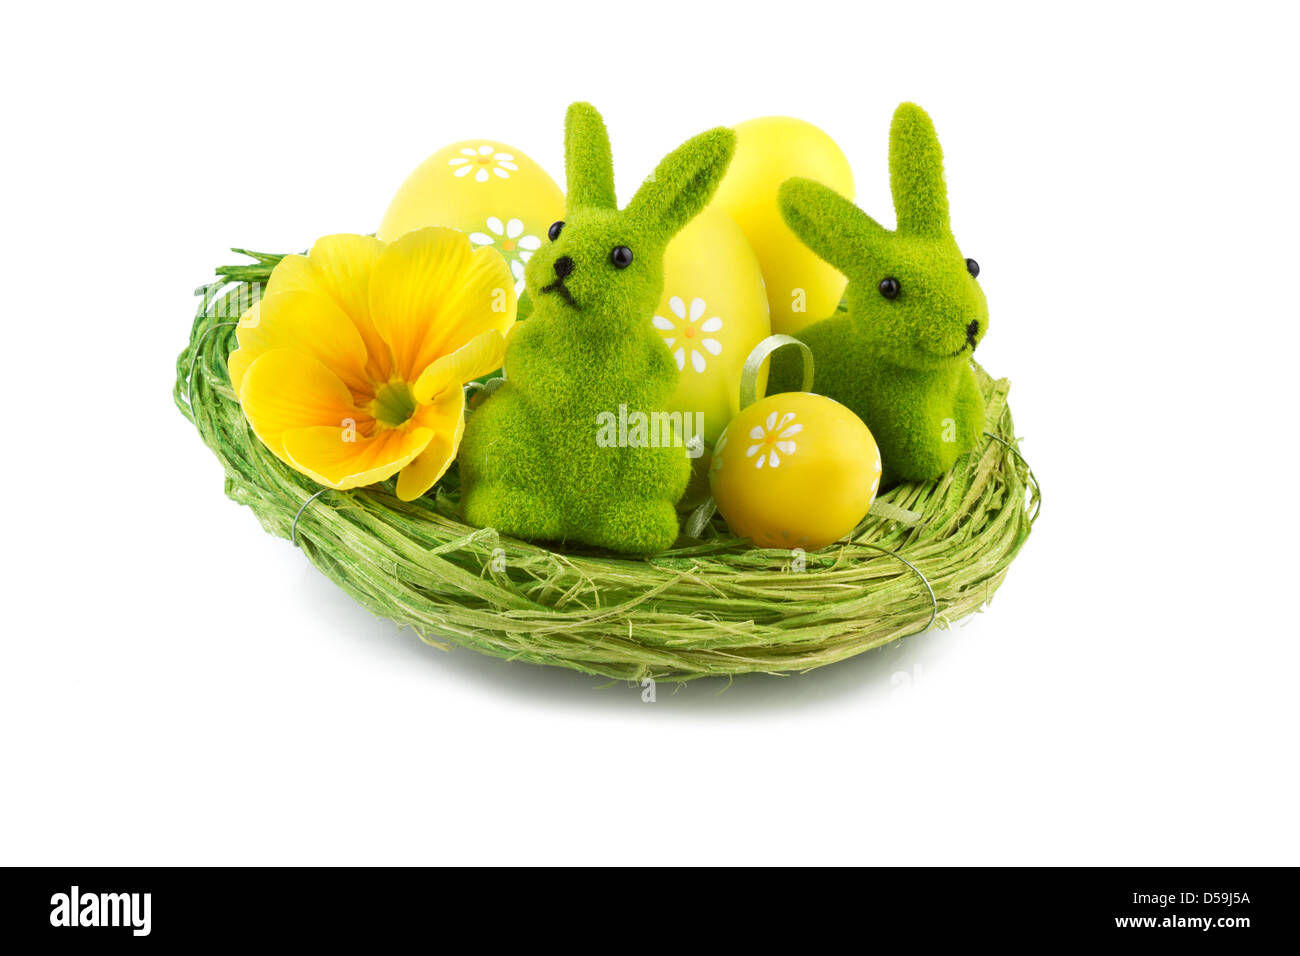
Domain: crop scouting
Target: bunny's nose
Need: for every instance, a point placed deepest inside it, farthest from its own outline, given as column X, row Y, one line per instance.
column 563, row 267
column 972, row 331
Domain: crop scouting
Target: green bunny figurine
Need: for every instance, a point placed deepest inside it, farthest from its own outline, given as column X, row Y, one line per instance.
column 532, row 464
column 901, row 356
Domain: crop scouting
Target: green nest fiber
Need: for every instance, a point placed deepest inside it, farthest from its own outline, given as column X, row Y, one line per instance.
column 714, row 608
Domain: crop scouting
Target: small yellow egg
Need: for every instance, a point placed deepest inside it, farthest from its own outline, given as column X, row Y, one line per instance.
column 801, row 287
column 712, row 314
column 795, row 470
column 486, row 189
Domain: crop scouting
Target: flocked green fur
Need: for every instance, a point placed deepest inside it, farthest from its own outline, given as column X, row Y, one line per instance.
column 902, row 364
column 530, row 462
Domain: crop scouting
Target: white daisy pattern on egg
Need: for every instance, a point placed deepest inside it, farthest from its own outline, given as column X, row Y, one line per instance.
column 510, row 238
column 689, row 338
column 483, row 162
column 773, row 439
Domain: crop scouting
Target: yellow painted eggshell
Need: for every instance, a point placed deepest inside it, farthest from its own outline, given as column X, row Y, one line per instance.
column 795, row 470
column 486, row 189
column 712, row 314
column 801, row 288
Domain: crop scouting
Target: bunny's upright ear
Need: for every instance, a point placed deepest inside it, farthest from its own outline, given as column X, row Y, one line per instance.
column 588, row 163
column 829, row 224
column 916, row 174
column 683, row 182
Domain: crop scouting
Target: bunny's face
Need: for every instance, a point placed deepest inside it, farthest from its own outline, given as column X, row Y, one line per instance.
column 914, row 296
column 918, row 303
column 599, row 266
column 602, row 269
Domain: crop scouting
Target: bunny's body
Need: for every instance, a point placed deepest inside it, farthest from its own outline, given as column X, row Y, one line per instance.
column 923, row 419
column 531, row 463
column 901, row 357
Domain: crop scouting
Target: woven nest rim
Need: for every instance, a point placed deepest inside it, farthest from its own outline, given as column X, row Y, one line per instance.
column 710, row 607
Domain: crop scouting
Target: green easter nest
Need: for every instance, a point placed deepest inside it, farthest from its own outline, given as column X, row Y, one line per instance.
column 928, row 554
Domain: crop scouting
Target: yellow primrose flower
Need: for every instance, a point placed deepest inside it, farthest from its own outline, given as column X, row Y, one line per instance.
column 352, row 366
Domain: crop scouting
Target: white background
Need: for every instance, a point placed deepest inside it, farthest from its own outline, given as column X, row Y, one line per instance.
column 177, row 686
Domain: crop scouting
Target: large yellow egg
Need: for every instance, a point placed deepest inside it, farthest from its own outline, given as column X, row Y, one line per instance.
column 712, row 313
column 801, row 288
column 795, row 470
column 486, row 189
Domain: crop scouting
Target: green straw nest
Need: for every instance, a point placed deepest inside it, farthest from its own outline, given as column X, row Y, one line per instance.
column 928, row 554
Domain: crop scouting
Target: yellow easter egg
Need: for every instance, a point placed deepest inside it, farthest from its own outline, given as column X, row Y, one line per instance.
column 801, row 288
column 795, row 470
column 486, row 189
column 712, row 313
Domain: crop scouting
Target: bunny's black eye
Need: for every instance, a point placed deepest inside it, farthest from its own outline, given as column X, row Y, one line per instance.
column 973, row 267
column 621, row 257
column 554, row 232
column 890, row 288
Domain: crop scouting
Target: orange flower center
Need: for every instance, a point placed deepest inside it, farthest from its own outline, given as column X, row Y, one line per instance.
column 483, row 160
column 770, row 439
column 690, row 332
column 508, row 245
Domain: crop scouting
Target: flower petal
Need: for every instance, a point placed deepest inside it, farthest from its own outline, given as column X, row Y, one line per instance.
column 307, row 322
column 285, row 389
column 344, row 264
column 446, row 419
column 495, row 227
column 659, row 322
column 481, row 355
column 514, row 229
column 711, row 324
column 697, row 309
column 431, row 293
column 241, row 358
column 531, row 243
column 463, row 171
column 677, row 307
column 697, row 361
column 712, row 346
column 481, row 239
column 481, row 176
column 321, row 454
